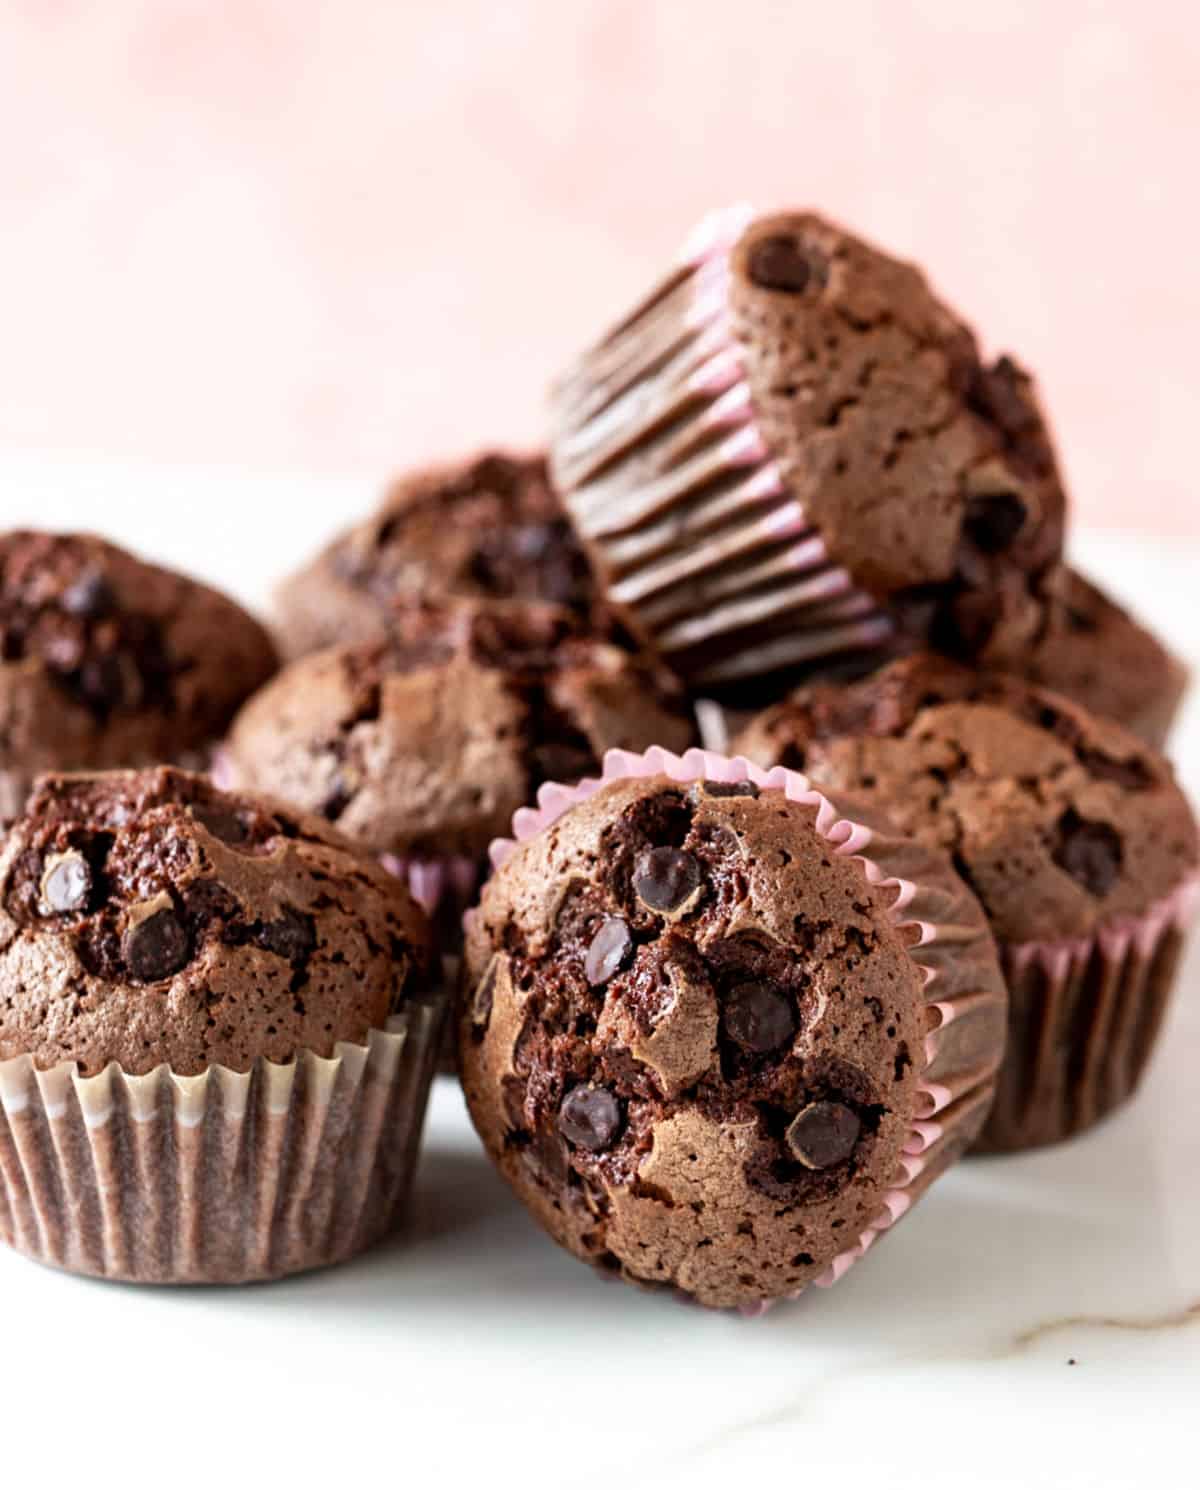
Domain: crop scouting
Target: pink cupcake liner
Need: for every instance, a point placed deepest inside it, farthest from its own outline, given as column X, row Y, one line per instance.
column 955, row 1090
column 1084, row 1018
column 669, row 480
column 225, row 1177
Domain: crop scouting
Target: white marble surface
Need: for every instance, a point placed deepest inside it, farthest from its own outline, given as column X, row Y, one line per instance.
column 1035, row 1322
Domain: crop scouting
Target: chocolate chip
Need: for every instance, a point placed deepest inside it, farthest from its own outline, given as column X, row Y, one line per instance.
column 156, row 946
column 292, row 936
column 589, row 1117
column 758, row 1017
column 992, row 522
column 66, row 883
column 481, row 1004
column 781, row 262
column 667, row 879
column 89, row 597
column 823, row 1134
column 722, row 789
column 608, row 952
column 1091, row 853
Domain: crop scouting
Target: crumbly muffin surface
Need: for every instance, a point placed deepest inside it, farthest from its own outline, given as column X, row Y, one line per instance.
column 109, row 661
column 490, row 528
column 1058, row 820
column 427, row 740
column 691, row 1036
column 930, row 474
column 148, row 918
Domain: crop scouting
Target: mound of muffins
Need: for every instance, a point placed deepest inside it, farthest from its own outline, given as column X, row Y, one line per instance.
column 743, row 798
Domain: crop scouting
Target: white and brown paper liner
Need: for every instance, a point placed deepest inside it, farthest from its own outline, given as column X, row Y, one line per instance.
column 964, row 994
column 668, row 479
column 225, row 1177
column 1084, row 1016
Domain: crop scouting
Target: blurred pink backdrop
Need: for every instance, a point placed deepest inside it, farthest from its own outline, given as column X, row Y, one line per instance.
column 338, row 237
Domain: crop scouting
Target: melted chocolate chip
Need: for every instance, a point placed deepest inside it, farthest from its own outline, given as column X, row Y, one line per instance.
column 1091, row 853
column 66, row 884
column 823, row 1134
column 156, row 946
column 666, row 879
column 589, row 1117
column 781, row 262
column 292, row 936
column 90, row 597
column 758, row 1017
column 608, row 952
column 993, row 522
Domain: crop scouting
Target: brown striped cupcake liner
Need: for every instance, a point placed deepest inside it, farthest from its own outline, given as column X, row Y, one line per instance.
column 669, row 480
column 224, row 1177
column 1084, row 1017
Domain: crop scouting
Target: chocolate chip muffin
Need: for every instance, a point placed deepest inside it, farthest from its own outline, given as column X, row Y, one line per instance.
column 216, row 1032
column 717, row 1035
column 490, row 527
column 423, row 743
column 109, row 661
column 792, row 449
column 1093, row 651
column 1072, row 832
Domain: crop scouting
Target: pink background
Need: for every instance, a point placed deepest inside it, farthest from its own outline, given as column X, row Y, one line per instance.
column 337, row 237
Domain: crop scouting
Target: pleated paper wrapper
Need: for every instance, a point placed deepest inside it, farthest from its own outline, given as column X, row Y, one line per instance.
column 657, row 452
column 1084, row 1017
column 224, row 1177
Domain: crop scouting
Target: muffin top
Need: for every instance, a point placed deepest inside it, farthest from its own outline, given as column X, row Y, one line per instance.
column 1059, row 821
column 146, row 917
column 930, row 474
column 1093, row 650
column 491, row 528
column 427, row 740
column 692, row 1034
column 109, row 661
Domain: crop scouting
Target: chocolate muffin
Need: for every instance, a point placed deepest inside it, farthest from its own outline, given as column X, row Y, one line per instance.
column 1073, row 834
column 216, row 1033
column 109, row 661
column 718, row 1036
column 792, row 449
column 1097, row 654
column 423, row 743
column 490, row 528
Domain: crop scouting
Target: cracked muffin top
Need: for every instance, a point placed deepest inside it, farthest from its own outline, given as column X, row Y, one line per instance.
column 146, row 917
column 490, row 528
column 109, row 661
column 930, row 474
column 424, row 742
column 1058, row 820
column 692, row 1034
